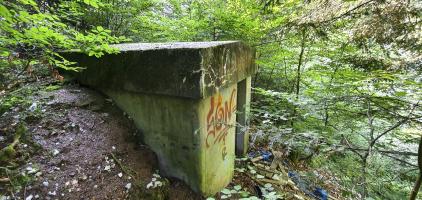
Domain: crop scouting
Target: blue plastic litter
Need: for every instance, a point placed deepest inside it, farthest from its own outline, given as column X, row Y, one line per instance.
column 317, row 193
column 321, row 193
column 265, row 154
column 300, row 183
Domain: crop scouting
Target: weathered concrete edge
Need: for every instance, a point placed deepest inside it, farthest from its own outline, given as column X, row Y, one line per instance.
column 114, row 71
column 205, row 70
column 224, row 65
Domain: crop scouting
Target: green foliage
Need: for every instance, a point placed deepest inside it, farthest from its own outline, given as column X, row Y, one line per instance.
column 15, row 99
column 201, row 20
column 17, row 180
column 52, row 88
column 9, row 151
column 38, row 32
column 333, row 75
column 340, row 76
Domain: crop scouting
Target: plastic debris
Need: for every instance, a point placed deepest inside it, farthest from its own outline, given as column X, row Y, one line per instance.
column 260, row 155
column 318, row 193
column 300, row 183
column 270, row 168
column 321, row 194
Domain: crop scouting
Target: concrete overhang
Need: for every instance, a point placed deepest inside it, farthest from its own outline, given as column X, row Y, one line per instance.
column 193, row 70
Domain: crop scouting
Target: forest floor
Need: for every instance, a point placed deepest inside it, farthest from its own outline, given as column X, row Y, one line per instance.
column 76, row 145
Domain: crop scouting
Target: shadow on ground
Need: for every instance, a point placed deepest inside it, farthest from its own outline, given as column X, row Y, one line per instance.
column 78, row 145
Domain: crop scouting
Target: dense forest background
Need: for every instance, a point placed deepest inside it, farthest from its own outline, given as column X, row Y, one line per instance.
column 339, row 82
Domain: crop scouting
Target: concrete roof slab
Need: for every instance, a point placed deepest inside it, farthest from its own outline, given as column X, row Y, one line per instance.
column 183, row 69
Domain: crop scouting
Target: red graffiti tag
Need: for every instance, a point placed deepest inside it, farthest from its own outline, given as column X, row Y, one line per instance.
column 219, row 118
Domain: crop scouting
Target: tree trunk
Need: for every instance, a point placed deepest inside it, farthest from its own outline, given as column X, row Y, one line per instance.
column 326, row 114
column 419, row 180
column 363, row 178
column 299, row 65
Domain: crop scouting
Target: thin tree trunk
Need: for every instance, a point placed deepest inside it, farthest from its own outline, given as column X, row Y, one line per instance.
column 368, row 151
column 299, row 65
column 419, row 180
column 363, row 178
column 269, row 79
column 326, row 114
column 214, row 31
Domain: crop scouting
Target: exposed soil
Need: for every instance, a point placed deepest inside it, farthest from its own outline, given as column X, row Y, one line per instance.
column 80, row 146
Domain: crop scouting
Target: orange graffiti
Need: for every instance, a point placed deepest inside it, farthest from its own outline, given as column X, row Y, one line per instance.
column 219, row 118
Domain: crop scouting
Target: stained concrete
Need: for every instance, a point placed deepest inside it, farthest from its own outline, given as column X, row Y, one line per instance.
column 184, row 99
column 191, row 70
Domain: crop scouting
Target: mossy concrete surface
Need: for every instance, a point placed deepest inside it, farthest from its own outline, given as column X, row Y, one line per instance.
column 193, row 139
column 217, row 119
column 192, row 70
column 183, row 98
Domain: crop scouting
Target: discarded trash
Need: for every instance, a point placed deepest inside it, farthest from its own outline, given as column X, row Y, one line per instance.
column 270, row 171
column 260, row 155
column 318, row 193
column 300, row 183
column 321, row 194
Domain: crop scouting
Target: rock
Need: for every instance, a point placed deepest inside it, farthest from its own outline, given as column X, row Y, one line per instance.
column 52, row 193
column 33, row 107
column 31, row 170
column 45, row 183
column 55, row 152
column 29, row 197
column 120, row 174
column 128, row 186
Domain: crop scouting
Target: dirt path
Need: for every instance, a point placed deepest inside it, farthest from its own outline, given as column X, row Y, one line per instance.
column 78, row 145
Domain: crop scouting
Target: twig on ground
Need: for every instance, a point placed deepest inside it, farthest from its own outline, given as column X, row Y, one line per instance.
column 125, row 169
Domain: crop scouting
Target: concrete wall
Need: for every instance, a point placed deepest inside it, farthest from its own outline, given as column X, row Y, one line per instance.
column 217, row 121
column 193, row 139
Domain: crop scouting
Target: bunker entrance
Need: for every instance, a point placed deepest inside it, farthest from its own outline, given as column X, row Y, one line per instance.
column 242, row 116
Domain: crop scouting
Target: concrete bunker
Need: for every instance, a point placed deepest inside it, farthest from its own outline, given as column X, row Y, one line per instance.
column 189, row 99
